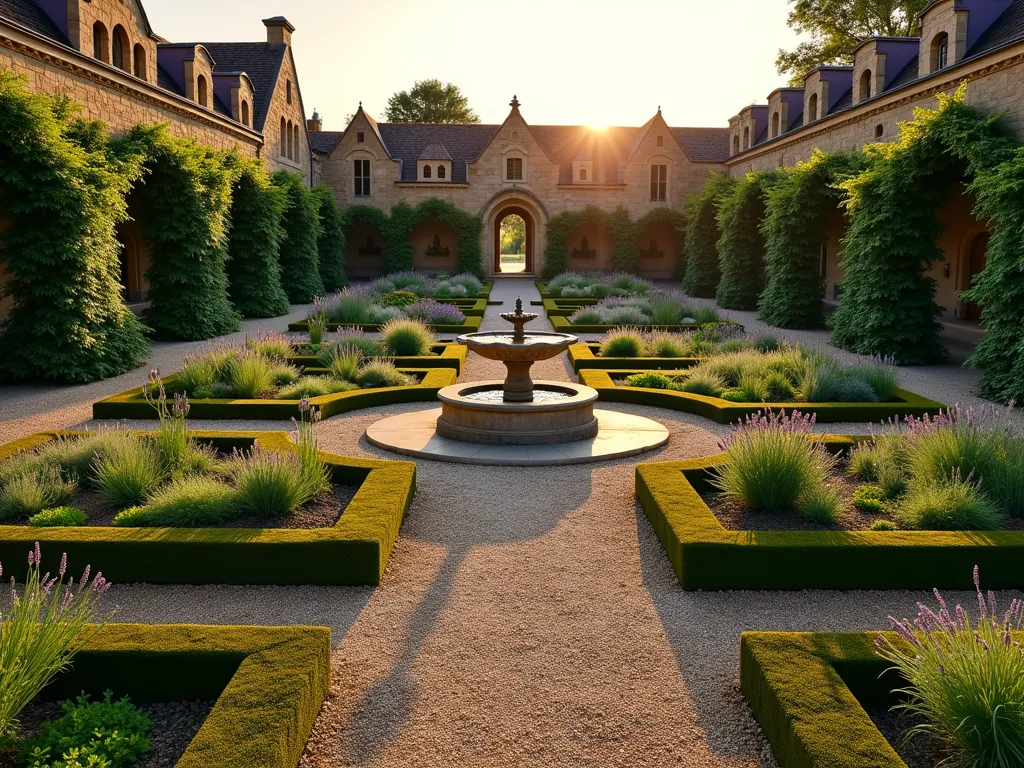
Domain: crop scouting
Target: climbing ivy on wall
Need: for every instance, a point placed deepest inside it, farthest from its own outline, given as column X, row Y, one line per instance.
column 331, row 244
column 254, row 272
column 741, row 245
column 702, row 273
column 185, row 197
column 300, row 254
column 560, row 226
column 405, row 218
column 674, row 218
column 63, row 195
column 622, row 231
column 794, row 229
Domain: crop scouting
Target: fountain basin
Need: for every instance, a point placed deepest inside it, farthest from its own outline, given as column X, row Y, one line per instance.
column 518, row 353
column 564, row 417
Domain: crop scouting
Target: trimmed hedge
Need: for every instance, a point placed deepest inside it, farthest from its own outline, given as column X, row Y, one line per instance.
column 586, row 356
column 727, row 412
column 810, row 692
column 331, row 243
column 132, row 404
column 354, row 551
column 445, row 356
column 300, row 254
column 562, row 325
column 405, row 218
column 741, row 245
column 269, row 684
column 705, row 555
column 702, row 234
column 471, row 325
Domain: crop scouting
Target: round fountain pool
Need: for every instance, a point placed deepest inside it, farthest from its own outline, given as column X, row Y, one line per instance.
column 497, row 395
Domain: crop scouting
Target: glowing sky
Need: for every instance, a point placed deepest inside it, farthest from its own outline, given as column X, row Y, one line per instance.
column 593, row 62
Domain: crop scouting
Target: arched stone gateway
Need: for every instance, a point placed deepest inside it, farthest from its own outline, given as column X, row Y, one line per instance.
column 532, row 212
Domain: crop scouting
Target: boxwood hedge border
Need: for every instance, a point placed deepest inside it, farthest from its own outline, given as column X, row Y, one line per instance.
column 705, row 555
column 810, row 692
column 727, row 412
column 268, row 683
column 132, row 405
column 471, row 325
column 352, row 552
column 445, row 356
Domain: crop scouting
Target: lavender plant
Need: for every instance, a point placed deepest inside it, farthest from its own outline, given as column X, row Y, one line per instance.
column 41, row 629
column 965, row 680
column 316, row 320
column 435, row 313
column 315, row 472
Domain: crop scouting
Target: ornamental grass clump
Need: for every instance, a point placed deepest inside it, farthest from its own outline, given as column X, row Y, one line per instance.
column 407, row 337
column 41, row 630
column 129, row 472
column 350, row 307
column 273, row 346
column 470, row 283
column 382, row 373
column 357, row 337
column 964, row 678
column 771, row 462
column 315, row 472
column 316, row 322
column 191, row 501
column 269, row 483
column 951, row 504
column 667, row 345
column 315, row 386
column 30, row 492
column 623, row 342
column 250, row 375
column 342, row 361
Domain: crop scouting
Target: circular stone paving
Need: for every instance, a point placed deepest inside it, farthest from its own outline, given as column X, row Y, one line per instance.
column 619, row 434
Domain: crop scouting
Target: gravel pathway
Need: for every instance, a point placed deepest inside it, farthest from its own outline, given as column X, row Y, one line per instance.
column 529, row 617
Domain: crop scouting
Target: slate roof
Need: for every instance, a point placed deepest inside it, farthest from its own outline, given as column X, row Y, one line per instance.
column 29, row 15
column 1008, row 28
column 406, row 142
column 260, row 61
column 906, row 75
column 325, row 141
column 168, row 83
column 704, row 145
column 435, row 152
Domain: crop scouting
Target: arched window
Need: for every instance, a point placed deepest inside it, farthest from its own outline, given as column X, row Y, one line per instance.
column 426, row 171
column 441, row 173
column 284, row 139
column 940, row 52
column 736, row 144
column 291, row 142
column 812, row 108
column 298, row 142
column 121, row 49
column 746, row 137
column 139, row 57
column 245, row 112
column 201, row 90
column 583, row 174
column 865, row 85
column 100, row 42
column 775, row 125
column 288, row 91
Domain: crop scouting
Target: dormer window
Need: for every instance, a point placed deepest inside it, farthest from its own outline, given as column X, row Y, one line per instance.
column 426, row 171
column 865, row 85
column 583, row 174
column 775, row 125
column 441, row 172
column 940, row 52
column 812, row 108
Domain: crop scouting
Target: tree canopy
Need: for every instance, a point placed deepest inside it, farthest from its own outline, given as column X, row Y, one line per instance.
column 430, row 101
column 513, row 235
column 836, row 27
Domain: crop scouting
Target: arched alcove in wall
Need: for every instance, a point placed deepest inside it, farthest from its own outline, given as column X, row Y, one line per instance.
column 435, row 247
column 658, row 249
column 364, row 250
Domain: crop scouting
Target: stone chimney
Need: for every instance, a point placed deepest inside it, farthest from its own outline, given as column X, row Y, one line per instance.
column 315, row 124
column 279, row 31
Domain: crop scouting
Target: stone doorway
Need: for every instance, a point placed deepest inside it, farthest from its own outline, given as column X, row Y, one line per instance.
column 510, row 223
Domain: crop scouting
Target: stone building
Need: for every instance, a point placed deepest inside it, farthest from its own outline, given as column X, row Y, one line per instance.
column 105, row 56
column 534, row 171
column 978, row 42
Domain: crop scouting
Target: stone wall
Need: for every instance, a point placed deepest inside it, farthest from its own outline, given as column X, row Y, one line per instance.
column 279, row 107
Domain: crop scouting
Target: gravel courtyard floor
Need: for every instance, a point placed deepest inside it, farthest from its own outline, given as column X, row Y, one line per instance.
column 528, row 616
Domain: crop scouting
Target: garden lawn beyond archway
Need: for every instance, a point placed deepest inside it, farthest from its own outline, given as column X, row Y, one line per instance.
column 514, row 210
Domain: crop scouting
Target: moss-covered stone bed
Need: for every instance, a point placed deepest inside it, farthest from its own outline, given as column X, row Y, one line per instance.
column 352, row 550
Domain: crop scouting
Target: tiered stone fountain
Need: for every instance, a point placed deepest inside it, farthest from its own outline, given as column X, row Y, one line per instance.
column 517, row 421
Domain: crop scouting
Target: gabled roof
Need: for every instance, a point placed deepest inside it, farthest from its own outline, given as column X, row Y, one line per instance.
column 407, row 141
column 704, row 145
column 260, row 61
column 32, row 17
column 325, row 142
column 1008, row 28
column 435, row 151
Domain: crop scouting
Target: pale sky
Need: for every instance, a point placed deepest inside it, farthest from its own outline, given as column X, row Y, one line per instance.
column 592, row 62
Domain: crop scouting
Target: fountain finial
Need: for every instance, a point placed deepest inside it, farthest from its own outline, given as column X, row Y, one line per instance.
column 518, row 320
column 519, row 305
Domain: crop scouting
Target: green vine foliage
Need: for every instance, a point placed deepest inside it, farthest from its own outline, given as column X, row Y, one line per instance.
column 300, row 254
column 623, row 233
column 741, row 245
column 560, row 226
column 63, row 195
column 702, row 273
column 254, row 272
column 331, row 244
column 404, row 218
column 794, row 227
column 185, row 199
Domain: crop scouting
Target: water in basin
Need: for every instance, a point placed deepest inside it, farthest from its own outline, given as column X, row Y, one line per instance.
column 507, row 338
column 497, row 395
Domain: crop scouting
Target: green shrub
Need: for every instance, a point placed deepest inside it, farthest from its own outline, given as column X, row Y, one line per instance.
column 820, row 504
column 192, row 501
column 777, row 388
column 870, row 499
column 407, row 337
column 752, row 389
column 649, row 380
column 331, row 242
column 820, row 384
column 734, row 395
column 667, row 345
column 470, row 282
column 270, row 484
column 400, row 299
column 703, row 382
column 128, row 472
column 705, row 315
column 283, row 375
column 962, row 448
column 300, row 253
column 276, row 347
column 250, row 376
column 882, row 376
column 622, row 342
column 953, row 504
column 883, row 525
column 382, row 373
column 59, row 517
column 853, row 390
column 74, row 455
column 315, row 386
column 665, row 312
column 354, row 337
column 863, row 462
column 702, row 234
column 741, row 244
column 766, row 344
column 771, row 463
column 1005, row 481
column 586, row 316
column 350, row 307
column 29, row 493
column 342, row 361
column 107, row 734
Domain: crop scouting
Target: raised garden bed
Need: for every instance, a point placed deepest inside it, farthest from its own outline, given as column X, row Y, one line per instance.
column 444, row 356
column 612, row 387
column 267, row 684
column 133, row 405
column 354, row 550
column 562, row 325
column 585, row 355
column 471, row 325
column 705, row 555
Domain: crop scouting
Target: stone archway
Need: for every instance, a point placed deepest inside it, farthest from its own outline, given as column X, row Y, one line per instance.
column 514, row 210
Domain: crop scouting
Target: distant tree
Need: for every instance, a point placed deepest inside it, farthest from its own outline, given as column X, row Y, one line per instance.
column 430, row 101
column 513, row 235
column 836, row 27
